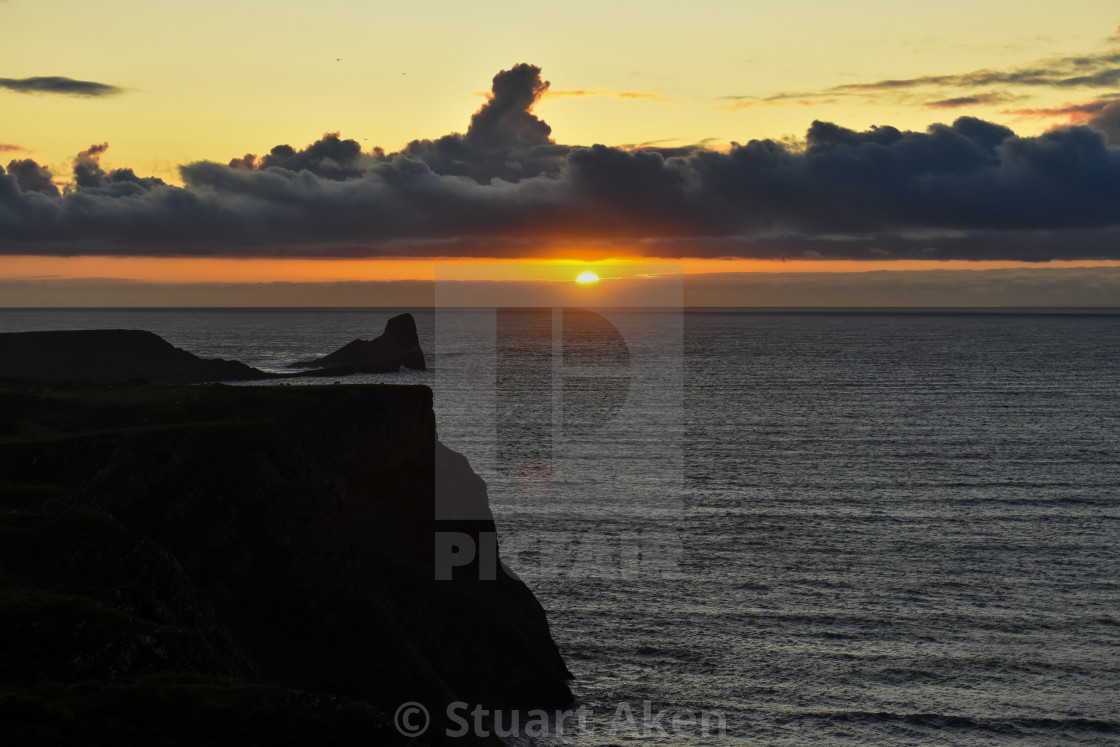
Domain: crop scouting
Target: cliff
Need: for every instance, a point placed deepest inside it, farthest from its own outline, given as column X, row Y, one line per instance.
column 122, row 355
column 397, row 346
column 231, row 565
column 110, row 355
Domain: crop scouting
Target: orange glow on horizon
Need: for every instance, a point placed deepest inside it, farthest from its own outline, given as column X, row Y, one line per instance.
column 229, row 270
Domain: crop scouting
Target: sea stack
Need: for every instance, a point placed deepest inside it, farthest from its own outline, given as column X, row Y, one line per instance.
column 397, row 346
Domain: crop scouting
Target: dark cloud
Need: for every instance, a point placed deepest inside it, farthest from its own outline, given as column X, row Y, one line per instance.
column 87, row 166
column 6, row 148
column 963, row 101
column 247, row 161
column 969, row 190
column 1065, row 110
column 330, row 157
column 31, row 177
column 1100, row 69
column 506, row 118
column 1106, row 120
column 1102, row 115
column 505, row 140
column 60, row 85
column 1102, row 79
column 91, row 180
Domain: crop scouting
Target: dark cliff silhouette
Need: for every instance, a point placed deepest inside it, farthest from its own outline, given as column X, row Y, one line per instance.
column 120, row 355
column 397, row 346
column 232, row 565
column 110, row 355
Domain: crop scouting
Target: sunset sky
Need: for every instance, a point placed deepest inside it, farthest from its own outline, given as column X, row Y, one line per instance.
column 807, row 154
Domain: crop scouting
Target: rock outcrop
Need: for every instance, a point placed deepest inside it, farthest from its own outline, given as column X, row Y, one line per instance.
column 397, row 346
column 244, row 565
column 110, row 355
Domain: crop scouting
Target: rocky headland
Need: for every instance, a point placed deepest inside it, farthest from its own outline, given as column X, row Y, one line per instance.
column 109, row 356
column 244, row 565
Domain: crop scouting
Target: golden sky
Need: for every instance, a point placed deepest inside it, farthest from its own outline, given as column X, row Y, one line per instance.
column 214, row 79
column 97, row 97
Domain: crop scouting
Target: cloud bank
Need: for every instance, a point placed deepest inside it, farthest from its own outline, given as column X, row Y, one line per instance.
column 506, row 188
column 59, row 85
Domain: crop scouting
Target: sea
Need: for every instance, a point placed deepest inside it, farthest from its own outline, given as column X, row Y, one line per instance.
column 776, row 526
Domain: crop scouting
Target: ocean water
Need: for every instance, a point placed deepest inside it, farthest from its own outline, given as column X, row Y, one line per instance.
column 794, row 527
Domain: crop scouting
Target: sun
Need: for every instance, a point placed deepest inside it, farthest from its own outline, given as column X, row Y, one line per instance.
column 587, row 277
